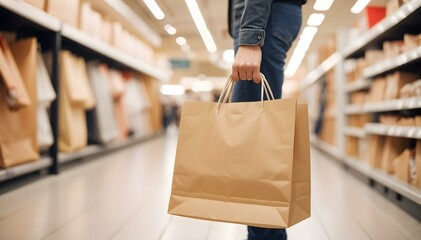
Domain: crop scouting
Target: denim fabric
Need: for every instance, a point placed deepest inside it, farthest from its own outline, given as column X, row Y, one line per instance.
column 282, row 28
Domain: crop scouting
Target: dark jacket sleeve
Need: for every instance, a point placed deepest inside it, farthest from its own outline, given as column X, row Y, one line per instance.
column 253, row 22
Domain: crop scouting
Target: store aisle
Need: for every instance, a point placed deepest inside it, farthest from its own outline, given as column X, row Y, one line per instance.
column 124, row 196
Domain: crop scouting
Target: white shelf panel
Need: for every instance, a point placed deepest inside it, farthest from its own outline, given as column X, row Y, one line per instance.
column 354, row 109
column 392, row 130
column 92, row 150
column 357, row 85
column 393, row 63
column 382, row 27
column 31, row 13
column 354, row 132
column 393, row 105
column 9, row 173
column 405, row 189
column 316, row 74
column 325, row 147
column 111, row 52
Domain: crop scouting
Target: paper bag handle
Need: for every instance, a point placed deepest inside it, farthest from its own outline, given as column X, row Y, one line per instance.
column 226, row 93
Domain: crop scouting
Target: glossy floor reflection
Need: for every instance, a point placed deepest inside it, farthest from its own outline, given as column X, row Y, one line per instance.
column 124, row 196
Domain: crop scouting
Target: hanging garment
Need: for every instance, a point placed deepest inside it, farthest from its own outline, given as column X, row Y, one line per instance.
column 12, row 83
column 133, row 104
column 18, row 131
column 45, row 95
column 76, row 98
column 102, row 127
column 118, row 89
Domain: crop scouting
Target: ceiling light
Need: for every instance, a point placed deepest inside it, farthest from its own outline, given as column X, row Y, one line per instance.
column 300, row 51
column 359, row 6
column 322, row 5
column 316, row 19
column 228, row 55
column 172, row 90
column 170, row 29
column 181, row 41
column 201, row 25
column 155, row 9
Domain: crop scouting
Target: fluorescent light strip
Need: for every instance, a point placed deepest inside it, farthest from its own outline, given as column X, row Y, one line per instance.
column 300, row 50
column 322, row 5
column 359, row 6
column 201, row 25
column 181, row 41
column 170, row 29
column 316, row 19
column 155, row 9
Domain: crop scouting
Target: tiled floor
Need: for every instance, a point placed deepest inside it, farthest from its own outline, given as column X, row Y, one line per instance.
column 124, row 196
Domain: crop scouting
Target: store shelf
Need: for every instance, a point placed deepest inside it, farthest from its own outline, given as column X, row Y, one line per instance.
column 9, row 173
column 30, row 13
column 360, row 84
column 390, row 65
column 384, row 179
column 93, row 150
column 392, row 130
column 354, row 109
column 391, row 27
column 393, row 105
column 325, row 147
column 354, row 132
column 315, row 75
column 81, row 38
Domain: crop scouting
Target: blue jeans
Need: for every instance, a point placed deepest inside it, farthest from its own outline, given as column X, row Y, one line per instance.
column 282, row 28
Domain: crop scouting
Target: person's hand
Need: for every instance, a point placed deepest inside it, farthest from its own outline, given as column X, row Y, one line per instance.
column 246, row 64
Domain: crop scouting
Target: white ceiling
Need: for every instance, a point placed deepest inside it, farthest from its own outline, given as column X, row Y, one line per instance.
column 215, row 14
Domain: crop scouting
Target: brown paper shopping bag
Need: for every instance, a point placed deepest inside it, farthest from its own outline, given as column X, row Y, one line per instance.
column 246, row 163
column 18, row 131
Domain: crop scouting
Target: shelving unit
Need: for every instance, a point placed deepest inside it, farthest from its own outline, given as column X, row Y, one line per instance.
column 355, row 132
column 43, row 163
column 388, row 29
column 390, row 65
column 394, row 131
column 360, row 84
column 95, row 150
column 316, row 74
column 383, row 178
column 384, row 106
column 393, row 27
column 54, row 35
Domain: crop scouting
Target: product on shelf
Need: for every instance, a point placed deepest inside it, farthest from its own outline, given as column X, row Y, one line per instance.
column 352, row 146
column 411, row 90
column 389, row 119
column 392, row 6
column 373, row 56
column 12, row 83
column 18, row 129
column 397, row 81
column 358, row 97
column 37, row 3
column 152, row 87
column 417, row 181
column 358, row 120
column 68, row 10
column 377, row 90
column 75, row 98
column 118, row 90
column 392, row 49
column 401, row 165
column 45, row 95
column 407, row 122
column 411, row 41
column 369, row 17
column 375, row 150
column 102, row 127
column 393, row 146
